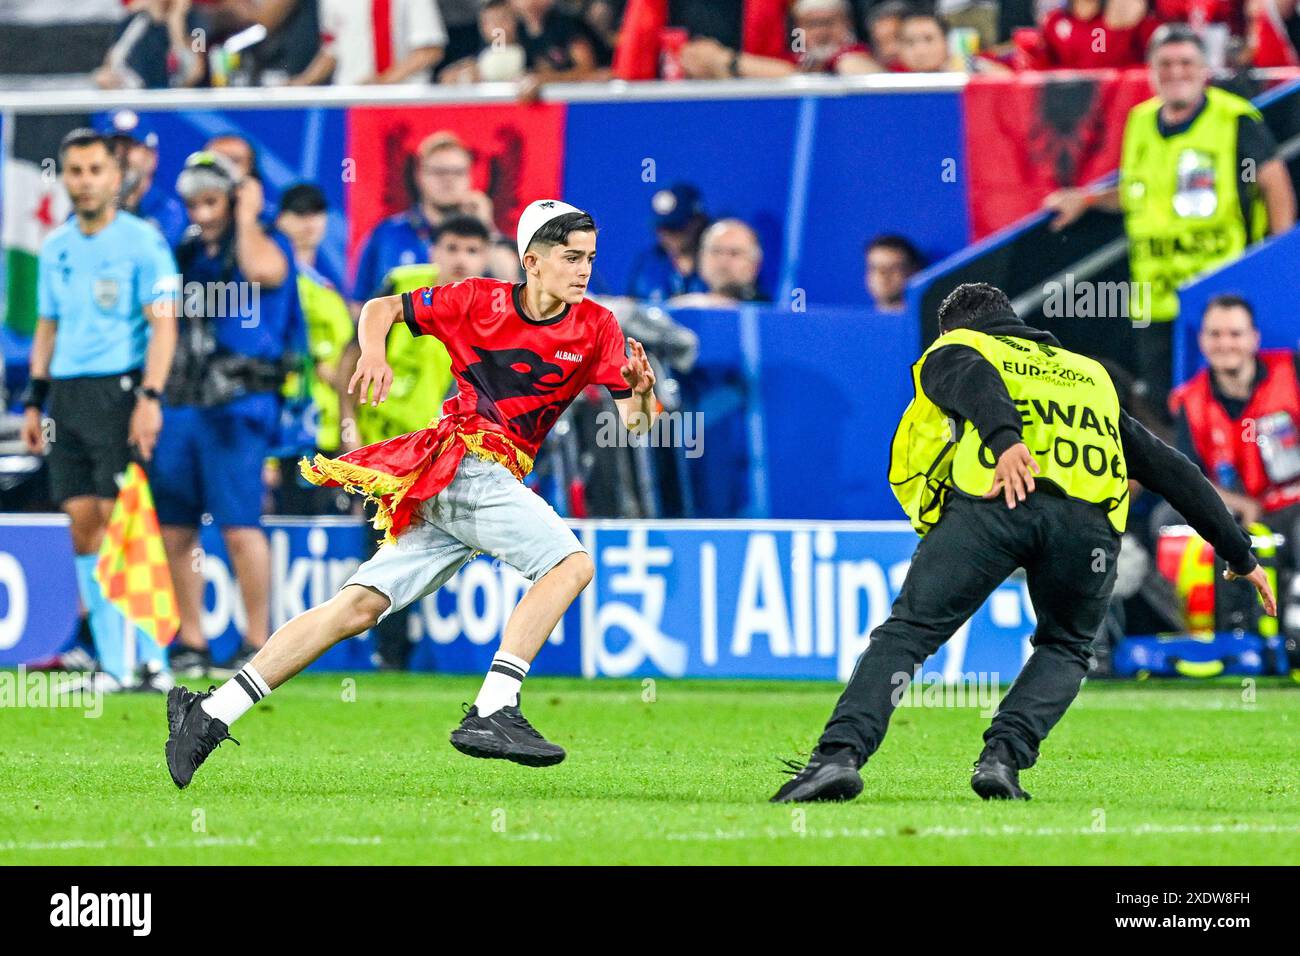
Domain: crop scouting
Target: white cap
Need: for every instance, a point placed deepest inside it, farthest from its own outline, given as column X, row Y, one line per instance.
column 538, row 214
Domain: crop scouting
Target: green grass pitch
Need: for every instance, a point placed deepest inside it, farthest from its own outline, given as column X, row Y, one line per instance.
column 1134, row 774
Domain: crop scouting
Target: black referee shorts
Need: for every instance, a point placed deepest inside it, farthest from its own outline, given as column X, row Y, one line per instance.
column 88, row 449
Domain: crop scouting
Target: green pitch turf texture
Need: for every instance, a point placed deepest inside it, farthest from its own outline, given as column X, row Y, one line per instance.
column 1135, row 774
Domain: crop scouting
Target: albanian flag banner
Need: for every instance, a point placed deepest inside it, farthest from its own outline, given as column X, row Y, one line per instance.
column 517, row 155
column 132, row 566
column 1030, row 134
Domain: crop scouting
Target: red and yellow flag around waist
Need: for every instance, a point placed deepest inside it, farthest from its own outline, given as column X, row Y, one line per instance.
column 400, row 474
column 132, row 566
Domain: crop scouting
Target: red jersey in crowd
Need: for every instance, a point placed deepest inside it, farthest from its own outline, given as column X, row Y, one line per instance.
column 1197, row 12
column 1071, row 43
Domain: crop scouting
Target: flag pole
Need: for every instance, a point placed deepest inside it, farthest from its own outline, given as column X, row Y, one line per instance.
column 128, row 647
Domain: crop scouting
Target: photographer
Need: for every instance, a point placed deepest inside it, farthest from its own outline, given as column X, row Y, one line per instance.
column 241, row 330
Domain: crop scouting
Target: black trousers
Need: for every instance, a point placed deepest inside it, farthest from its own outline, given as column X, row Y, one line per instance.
column 1068, row 550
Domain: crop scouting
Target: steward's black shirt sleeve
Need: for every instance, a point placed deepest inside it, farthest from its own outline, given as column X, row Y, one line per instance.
column 960, row 380
column 1173, row 476
column 1254, row 142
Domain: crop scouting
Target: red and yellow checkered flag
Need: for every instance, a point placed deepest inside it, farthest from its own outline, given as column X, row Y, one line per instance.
column 132, row 567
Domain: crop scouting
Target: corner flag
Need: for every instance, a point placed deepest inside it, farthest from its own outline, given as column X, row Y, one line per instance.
column 132, row 566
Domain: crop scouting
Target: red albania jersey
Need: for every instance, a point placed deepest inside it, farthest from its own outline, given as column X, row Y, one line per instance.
column 513, row 372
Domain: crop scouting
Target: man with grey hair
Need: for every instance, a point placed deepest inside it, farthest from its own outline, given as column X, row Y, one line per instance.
column 729, row 262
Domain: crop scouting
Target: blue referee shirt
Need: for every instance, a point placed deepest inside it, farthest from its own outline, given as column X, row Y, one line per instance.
column 96, row 288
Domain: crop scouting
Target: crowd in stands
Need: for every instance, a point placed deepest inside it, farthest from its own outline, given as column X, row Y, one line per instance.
column 154, row 44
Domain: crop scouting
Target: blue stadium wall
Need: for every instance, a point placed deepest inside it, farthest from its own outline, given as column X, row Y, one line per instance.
column 766, row 599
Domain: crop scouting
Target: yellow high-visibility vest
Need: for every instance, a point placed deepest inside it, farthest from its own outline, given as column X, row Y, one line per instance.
column 1070, row 415
column 421, row 369
column 329, row 330
column 1182, row 208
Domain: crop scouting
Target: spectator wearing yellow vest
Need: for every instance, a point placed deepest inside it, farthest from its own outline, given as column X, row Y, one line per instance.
column 421, row 366
column 1200, row 179
column 1014, row 453
column 302, row 217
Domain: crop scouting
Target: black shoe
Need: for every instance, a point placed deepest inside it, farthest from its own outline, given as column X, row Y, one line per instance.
column 826, row 776
column 192, row 734
column 996, row 777
column 504, row 735
column 236, row 664
column 188, row 662
column 153, row 678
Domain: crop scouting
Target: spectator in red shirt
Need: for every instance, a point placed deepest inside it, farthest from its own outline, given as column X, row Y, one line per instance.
column 822, row 41
column 1094, row 35
column 1273, row 33
column 1197, row 13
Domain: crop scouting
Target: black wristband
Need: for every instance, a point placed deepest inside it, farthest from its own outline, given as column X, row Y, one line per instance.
column 145, row 392
column 36, row 392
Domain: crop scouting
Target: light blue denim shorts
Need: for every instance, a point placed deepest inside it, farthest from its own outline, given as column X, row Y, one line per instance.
column 485, row 508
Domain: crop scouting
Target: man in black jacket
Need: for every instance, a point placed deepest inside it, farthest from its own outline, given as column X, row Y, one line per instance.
column 1067, row 545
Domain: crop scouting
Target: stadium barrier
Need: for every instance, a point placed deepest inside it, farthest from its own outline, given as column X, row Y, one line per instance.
column 772, row 387
column 761, row 599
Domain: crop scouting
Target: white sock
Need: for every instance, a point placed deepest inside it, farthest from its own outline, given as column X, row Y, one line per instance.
column 233, row 699
column 501, row 685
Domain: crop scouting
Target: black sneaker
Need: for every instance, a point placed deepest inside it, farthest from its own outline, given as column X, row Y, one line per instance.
column 192, row 733
column 236, row 664
column 995, row 776
column 504, row 735
column 153, row 678
column 826, row 776
column 188, row 662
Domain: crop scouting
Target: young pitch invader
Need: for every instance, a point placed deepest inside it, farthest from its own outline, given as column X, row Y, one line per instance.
column 520, row 354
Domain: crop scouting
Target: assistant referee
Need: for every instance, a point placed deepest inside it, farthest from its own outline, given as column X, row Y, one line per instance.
column 103, row 344
column 1014, row 453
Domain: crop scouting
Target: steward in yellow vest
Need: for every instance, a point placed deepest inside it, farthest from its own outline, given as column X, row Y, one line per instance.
column 1069, row 415
column 1182, row 194
column 1014, row 453
column 1200, row 178
column 421, row 369
column 421, row 366
column 329, row 330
